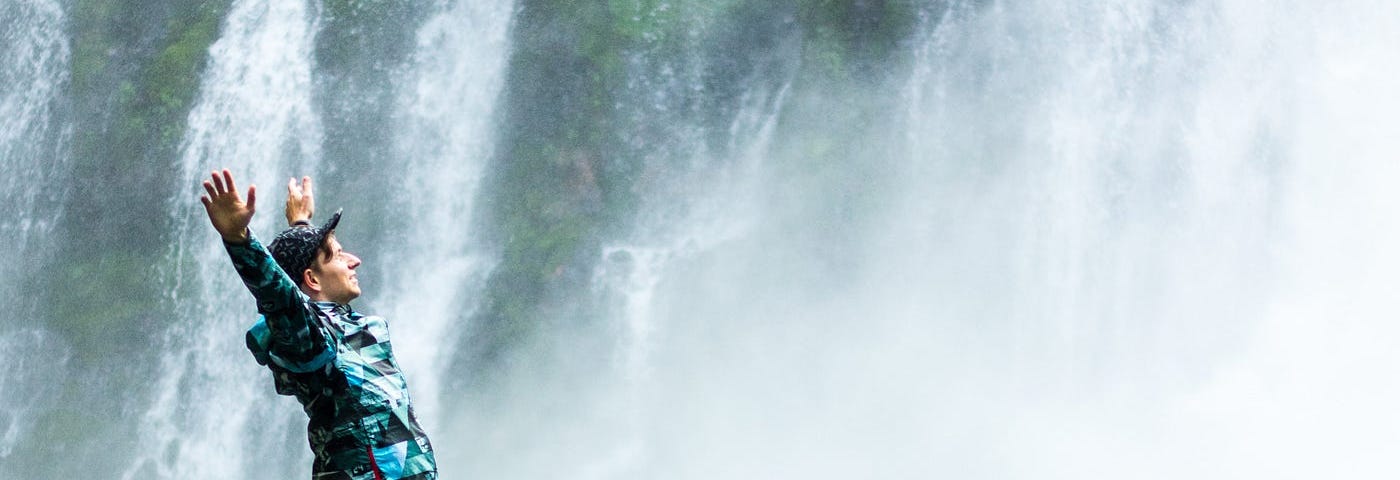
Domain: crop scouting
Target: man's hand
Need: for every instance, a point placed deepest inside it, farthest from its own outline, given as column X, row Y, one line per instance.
column 227, row 212
column 300, row 203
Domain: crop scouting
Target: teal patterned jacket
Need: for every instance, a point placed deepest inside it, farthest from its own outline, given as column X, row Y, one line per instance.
column 340, row 366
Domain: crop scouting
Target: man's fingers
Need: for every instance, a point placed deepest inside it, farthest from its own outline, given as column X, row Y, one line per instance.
column 209, row 187
column 306, row 186
column 292, row 187
column 206, row 201
column 228, row 182
column 218, row 183
column 252, row 197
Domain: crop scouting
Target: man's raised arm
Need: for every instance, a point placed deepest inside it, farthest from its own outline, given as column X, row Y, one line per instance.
column 272, row 288
column 292, row 337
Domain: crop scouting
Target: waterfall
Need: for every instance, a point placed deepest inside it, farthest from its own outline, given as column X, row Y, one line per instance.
column 34, row 165
column 705, row 165
column 1103, row 235
column 935, row 239
column 716, row 189
column 33, row 71
column 254, row 116
column 633, row 269
column 445, row 106
column 1107, row 221
column 1130, row 190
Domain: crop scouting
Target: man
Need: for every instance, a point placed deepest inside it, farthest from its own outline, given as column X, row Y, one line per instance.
column 335, row 361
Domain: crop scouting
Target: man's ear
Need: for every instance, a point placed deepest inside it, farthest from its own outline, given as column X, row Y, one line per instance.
column 308, row 278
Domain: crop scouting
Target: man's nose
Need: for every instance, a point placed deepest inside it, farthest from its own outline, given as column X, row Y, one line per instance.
column 354, row 261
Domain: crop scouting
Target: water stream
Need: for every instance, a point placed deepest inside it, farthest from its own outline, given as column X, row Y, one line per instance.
column 33, row 168
column 253, row 116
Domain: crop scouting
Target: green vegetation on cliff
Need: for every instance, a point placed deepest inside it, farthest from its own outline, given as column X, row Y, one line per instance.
column 136, row 69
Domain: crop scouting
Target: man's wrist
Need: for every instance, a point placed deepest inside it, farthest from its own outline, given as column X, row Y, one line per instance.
column 242, row 238
column 300, row 222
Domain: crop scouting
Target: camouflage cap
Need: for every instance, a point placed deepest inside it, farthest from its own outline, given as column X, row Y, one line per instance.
column 295, row 248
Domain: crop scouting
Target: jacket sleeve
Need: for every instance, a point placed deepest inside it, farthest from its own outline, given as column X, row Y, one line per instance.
column 291, row 336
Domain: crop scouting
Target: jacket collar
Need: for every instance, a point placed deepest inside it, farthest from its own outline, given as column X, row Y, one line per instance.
column 334, row 308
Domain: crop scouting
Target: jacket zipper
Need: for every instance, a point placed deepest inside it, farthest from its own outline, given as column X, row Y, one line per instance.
column 378, row 475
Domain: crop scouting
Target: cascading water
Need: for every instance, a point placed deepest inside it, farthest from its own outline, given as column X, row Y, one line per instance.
column 33, row 166
column 446, row 105
column 1108, row 197
column 631, row 274
column 694, row 207
column 1097, row 212
column 1026, row 239
column 1108, row 232
column 700, row 177
column 1138, row 233
column 253, row 116
column 34, row 53
column 714, row 187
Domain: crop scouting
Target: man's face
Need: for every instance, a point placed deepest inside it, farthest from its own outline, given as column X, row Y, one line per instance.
column 335, row 272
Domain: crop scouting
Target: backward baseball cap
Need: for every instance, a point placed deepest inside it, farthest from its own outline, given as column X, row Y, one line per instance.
column 295, row 248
